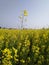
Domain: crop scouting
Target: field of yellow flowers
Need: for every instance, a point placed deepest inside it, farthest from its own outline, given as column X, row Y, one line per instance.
column 24, row 47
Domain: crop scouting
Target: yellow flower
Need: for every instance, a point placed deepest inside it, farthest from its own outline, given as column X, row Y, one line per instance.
column 1, row 37
column 15, row 59
column 23, row 61
column 29, row 59
column 39, row 62
column 25, row 13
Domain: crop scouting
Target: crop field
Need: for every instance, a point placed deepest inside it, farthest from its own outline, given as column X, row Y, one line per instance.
column 24, row 47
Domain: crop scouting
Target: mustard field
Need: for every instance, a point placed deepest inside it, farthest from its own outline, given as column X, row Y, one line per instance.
column 24, row 47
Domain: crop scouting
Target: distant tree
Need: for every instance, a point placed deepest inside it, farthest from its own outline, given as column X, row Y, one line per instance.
column 24, row 14
column 0, row 27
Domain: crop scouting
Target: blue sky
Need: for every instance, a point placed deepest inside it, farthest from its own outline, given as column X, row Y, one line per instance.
column 38, row 13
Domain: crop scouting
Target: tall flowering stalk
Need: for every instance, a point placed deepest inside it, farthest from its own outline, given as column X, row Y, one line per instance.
column 25, row 13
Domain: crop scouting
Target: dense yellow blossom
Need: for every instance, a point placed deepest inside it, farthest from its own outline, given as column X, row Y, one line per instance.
column 24, row 46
